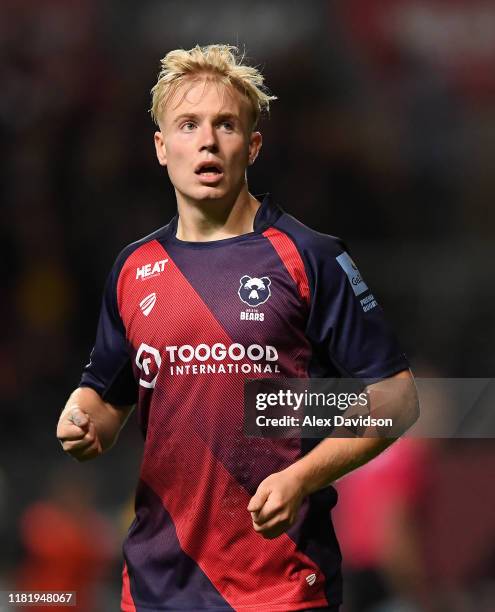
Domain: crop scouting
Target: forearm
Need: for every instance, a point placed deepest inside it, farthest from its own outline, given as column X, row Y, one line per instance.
column 332, row 458
column 108, row 419
column 275, row 505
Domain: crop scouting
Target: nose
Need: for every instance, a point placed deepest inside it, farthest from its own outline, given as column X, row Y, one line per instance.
column 208, row 139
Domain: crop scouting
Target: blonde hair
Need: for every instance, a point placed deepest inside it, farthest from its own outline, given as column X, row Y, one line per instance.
column 222, row 62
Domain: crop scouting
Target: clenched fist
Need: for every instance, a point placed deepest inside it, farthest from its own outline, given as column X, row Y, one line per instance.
column 275, row 505
column 77, row 434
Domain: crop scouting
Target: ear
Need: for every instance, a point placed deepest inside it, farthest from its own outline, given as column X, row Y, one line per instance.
column 266, row 281
column 161, row 152
column 245, row 279
column 255, row 142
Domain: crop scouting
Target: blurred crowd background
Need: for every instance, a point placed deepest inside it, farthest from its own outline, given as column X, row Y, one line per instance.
column 383, row 134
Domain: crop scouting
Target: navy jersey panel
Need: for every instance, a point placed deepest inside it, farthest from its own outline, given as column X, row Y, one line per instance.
column 346, row 327
column 314, row 535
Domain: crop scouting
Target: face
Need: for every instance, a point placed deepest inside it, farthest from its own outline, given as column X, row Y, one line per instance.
column 205, row 140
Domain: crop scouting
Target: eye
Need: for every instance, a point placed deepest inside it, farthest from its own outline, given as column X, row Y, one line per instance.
column 227, row 125
column 188, row 126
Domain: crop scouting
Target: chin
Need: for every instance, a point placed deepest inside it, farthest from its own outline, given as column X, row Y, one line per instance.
column 205, row 193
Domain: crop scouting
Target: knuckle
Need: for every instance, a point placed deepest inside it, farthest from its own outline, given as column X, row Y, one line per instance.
column 76, row 446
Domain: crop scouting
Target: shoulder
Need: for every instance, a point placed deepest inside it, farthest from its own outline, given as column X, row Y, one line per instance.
column 314, row 247
column 129, row 249
column 327, row 262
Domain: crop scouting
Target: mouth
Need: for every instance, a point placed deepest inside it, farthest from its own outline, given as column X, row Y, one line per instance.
column 209, row 172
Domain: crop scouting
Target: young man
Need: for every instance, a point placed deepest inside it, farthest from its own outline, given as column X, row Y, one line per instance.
column 224, row 521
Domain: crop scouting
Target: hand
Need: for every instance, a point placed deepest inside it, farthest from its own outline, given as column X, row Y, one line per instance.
column 77, row 434
column 275, row 505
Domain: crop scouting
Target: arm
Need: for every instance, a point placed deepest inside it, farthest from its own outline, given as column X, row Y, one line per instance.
column 275, row 505
column 88, row 426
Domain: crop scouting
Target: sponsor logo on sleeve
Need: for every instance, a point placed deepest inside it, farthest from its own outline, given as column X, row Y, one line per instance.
column 357, row 283
column 368, row 303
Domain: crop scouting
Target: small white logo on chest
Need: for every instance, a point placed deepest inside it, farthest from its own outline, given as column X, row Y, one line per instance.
column 149, row 270
column 311, row 579
column 147, row 304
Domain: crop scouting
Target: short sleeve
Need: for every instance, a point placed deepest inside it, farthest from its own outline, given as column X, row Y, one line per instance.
column 109, row 371
column 346, row 325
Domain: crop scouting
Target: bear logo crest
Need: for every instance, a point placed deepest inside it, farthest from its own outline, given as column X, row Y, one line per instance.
column 254, row 291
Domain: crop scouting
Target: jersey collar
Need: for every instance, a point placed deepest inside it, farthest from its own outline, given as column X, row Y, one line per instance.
column 267, row 213
column 265, row 217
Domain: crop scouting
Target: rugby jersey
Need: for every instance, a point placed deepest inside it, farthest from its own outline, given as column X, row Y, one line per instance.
column 182, row 325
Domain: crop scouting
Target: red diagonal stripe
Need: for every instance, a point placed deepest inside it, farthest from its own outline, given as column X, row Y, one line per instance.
column 288, row 253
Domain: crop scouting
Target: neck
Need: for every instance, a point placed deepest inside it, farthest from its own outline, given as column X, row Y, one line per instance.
column 201, row 221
